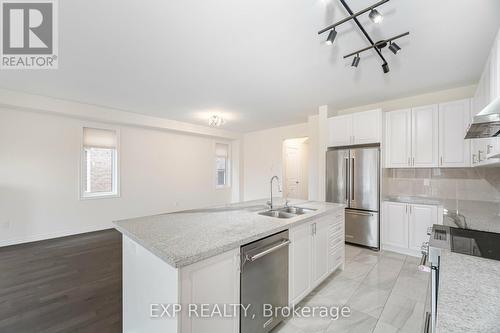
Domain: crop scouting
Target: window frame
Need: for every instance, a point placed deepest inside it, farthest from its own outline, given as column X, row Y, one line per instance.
column 228, row 165
column 115, row 193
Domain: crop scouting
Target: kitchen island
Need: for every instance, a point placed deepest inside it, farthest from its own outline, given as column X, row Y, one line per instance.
column 468, row 294
column 193, row 257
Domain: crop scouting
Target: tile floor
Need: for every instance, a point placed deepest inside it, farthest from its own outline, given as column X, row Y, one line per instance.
column 385, row 291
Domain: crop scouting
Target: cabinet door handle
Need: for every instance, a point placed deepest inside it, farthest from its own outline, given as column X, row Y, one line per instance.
column 409, row 161
column 406, row 209
column 441, row 160
column 413, row 161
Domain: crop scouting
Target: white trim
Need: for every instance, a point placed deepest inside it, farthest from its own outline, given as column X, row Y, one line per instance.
column 400, row 250
column 35, row 103
column 55, row 234
column 228, row 165
column 116, row 165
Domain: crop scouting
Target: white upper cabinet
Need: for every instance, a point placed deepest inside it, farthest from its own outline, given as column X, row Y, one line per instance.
column 340, row 131
column 355, row 129
column 486, row 151
column 366, row 127
column 454, row 120
column 398, row 139
column 425, row 133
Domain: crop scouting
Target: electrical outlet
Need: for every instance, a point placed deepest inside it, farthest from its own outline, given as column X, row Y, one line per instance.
column 5, row 225
column 427, row 182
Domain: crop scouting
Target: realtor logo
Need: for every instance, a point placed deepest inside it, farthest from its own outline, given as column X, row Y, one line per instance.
column 29, row 34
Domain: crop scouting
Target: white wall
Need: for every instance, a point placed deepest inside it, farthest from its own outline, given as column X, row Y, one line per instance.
column 263, row 158
column 161, row 171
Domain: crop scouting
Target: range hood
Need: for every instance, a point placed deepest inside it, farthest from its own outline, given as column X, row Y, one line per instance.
column 486, row 124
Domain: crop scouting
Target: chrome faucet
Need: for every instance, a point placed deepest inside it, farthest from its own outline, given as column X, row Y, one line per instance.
column 279, row 189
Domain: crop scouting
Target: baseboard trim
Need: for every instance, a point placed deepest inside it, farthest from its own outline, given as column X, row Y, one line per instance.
column 400, row 250
column 52, row 235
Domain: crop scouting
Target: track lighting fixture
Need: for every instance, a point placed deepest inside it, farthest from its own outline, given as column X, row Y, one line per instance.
column 375, row 16
column 394, row 47
column 331, row 37
column 355, row 61
column 378, row 47
column 385, row 68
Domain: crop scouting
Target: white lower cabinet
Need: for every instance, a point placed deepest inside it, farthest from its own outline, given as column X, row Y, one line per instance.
column 395, row 228
column 316, row 250
column 404, row 226
column 320, row 250
column 300, row 263
column 421, row 218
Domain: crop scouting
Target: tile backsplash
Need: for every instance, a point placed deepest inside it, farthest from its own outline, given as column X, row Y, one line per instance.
column 477, row 184
column 474, row 192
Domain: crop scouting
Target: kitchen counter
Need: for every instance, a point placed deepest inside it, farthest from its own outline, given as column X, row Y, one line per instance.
column 183, row 238
column 469, row 294
column 414, row 200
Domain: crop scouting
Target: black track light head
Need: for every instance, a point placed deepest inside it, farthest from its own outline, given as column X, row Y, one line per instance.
column 375, row 16
column 331, row 37
column 355, row 61
column 394, row 48
column 385, row 68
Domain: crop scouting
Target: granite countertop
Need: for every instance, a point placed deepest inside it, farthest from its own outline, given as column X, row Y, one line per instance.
column 414, row 200
column 469, row 294
column 183, row 238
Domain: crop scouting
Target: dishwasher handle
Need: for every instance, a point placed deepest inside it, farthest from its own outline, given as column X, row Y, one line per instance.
column 273, row 248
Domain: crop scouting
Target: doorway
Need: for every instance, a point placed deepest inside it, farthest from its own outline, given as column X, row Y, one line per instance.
column 296, row 171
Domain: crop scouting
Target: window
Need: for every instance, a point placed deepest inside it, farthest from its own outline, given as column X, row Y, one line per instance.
column 221, row 165
column 99, row 170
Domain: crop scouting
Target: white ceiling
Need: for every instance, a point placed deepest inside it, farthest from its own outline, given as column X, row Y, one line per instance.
column 258, row 62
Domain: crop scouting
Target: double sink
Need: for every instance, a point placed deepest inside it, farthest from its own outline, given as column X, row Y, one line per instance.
column 287, row 212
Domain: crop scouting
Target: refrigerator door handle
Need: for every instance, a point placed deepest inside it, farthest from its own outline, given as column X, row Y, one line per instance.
column 352, row 179
column 346, row 179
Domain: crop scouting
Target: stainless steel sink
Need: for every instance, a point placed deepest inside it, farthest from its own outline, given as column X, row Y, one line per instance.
column 278, row 214
column 297, row 210
column 287, row 212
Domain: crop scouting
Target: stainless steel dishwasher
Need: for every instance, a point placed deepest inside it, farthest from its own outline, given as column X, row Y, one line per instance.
column 264, row 280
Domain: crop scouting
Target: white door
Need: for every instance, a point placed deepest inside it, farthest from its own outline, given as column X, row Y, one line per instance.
column 300, row 259
column 421, row 218
column 320, row 250
column 425, row 132
column 340, row 131
column 398, row 139
column 395, row 224
column 366, row 127
column 454, row 120
column 293, row 172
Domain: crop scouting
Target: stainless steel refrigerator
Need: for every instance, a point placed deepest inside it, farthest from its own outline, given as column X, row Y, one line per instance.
column 353, row 179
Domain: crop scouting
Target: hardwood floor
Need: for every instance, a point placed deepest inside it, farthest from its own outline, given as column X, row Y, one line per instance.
column 70, row 284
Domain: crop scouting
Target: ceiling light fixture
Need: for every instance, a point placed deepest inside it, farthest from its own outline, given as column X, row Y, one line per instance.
column 385, row 68
column 331, row 37
column 216, row 121
column 394, row 48
column 376, row 17
column 355, row 61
